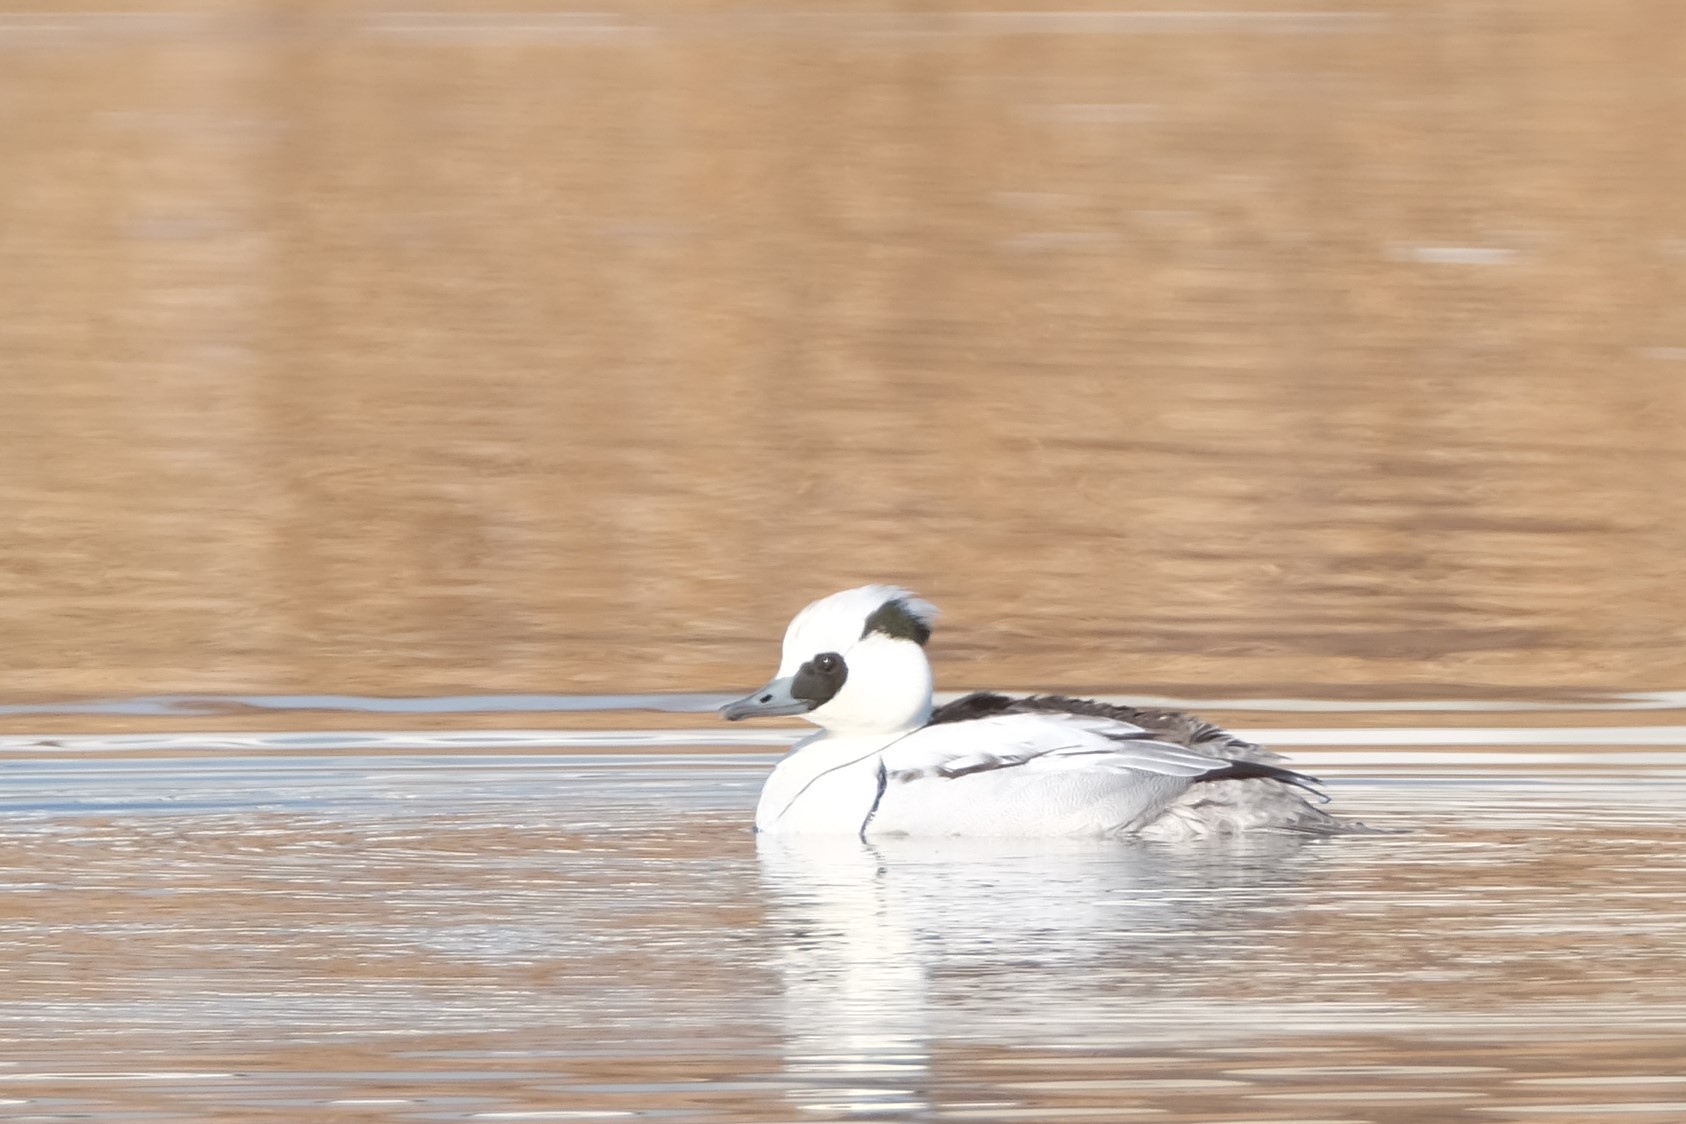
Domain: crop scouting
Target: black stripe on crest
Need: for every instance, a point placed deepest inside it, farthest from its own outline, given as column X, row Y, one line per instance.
column 894, row 618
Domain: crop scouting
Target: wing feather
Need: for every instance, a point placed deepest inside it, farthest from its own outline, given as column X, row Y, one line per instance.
column 1047, row 742
column 1167, row 725
column 1044, row 741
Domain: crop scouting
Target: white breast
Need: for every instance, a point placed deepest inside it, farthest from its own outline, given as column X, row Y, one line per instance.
column 826, row 785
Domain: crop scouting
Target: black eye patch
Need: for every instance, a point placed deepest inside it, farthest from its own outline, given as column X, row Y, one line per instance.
column 819, row 679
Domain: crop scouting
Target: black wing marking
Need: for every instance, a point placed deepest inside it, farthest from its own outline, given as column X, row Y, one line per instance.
column 1226, row 771
column 1259, row 770
column 1164, row 725
column 987, row 733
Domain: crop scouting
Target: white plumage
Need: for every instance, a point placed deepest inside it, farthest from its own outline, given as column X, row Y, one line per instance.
column 885, row 763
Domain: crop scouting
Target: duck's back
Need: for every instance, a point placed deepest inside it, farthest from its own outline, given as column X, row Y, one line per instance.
column 1048, row 765
column 1174, row 726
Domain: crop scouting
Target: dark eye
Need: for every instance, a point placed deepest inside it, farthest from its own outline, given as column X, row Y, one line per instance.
column 819, row 679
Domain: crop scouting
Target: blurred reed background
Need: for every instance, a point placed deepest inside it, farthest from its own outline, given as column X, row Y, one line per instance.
column 524, row 348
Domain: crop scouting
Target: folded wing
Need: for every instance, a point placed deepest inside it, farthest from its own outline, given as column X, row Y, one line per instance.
column 1044, row 741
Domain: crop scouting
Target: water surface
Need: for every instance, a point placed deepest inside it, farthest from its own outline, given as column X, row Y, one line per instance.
column 279, row 927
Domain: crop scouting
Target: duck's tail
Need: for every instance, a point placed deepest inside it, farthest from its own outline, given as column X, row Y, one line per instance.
column 1232, row 804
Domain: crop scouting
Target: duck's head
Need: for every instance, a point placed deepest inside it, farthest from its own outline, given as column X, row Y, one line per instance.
column 853, row 663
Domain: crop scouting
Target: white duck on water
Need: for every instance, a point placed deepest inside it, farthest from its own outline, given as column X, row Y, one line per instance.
column 886, row 763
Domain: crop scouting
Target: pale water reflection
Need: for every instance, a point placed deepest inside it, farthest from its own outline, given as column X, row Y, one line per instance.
column 873, row 938
column 243, row 933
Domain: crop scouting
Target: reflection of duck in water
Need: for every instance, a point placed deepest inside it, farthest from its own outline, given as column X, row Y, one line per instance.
column 886, row 763
column 897, row 955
